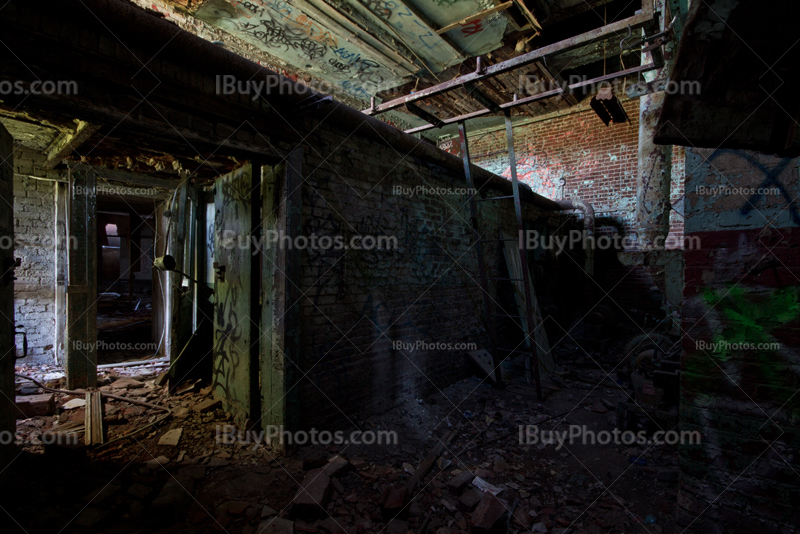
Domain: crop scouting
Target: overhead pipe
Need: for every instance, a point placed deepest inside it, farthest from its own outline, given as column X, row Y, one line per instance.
column 588, row 227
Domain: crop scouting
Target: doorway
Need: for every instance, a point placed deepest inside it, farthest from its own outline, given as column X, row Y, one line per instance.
column 125, row 282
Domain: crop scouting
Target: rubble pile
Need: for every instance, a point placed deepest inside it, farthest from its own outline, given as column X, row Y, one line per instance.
column 463, row 463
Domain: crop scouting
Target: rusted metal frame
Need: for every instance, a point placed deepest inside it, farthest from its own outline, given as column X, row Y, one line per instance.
column 527, row 100
column 482, row 112
column 525, row 59
column 424, row 115
column 613, row 75
column 534, row 358
column 487, row 303
column 474, row 92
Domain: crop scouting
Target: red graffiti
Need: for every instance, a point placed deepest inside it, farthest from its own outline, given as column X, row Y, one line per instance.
column 473, row 27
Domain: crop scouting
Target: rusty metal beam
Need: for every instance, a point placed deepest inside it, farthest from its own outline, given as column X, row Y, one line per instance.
column 636, row 21
column 414, row 109
column 527, row 100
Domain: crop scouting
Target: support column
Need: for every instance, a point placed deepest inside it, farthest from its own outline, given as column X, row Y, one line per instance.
column 81, row 339
column 655, row 164
column 7, row 347
column 61, row 250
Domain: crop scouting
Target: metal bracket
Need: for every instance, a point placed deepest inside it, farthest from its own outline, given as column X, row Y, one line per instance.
column 655, row 40
column 24, row 341
column 9, row 264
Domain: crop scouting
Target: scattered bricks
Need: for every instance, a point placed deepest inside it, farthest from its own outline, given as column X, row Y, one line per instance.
column 397, row 526
column 394, row 501
column 276, row 525
column 314, row 460
column 487, row 516
column 313, row 496
column 470, row 499
column 33, row 405
column 337, row 466
column 207, row 405
column 176, row 493
column 667, row 475
column 332, row 526
column 457, row 482
column 126, row 383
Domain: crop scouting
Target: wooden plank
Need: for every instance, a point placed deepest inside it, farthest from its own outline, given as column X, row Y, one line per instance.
column 511, row 254
column 81, row 331
column 93, row 419
column 535, row 24
column 429, row 460
column 115, row 175
column 62, row 243
column 67, row 142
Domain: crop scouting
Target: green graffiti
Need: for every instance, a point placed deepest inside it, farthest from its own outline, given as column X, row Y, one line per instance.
column 752, row 318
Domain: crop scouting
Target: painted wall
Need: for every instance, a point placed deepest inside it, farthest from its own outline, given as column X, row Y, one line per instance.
column 741, row 361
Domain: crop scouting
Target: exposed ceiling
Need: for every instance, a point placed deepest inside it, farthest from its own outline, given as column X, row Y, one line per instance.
column 357, row 49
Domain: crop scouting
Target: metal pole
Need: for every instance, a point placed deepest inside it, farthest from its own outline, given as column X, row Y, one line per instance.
column 512, row 161
column 487, row 303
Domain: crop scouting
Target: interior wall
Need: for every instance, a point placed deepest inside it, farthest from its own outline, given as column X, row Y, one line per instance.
column 360, row 305
column 741, row 361
column 34, row 226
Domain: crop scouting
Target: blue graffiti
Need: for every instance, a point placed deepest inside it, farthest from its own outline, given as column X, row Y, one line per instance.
column 771, row 180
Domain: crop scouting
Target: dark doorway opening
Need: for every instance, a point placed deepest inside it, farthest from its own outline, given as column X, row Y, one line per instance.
column 125, row 283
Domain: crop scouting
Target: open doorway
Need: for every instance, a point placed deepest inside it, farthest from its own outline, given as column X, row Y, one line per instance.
column 125, row 283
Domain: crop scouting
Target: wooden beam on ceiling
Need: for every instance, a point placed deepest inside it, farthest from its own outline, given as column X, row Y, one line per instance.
column 67, row 142
column 114, row 175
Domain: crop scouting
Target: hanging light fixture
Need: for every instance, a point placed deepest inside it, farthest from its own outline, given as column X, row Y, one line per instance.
column 608, row 107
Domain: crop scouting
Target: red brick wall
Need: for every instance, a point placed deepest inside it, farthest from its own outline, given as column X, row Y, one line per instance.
column 577, row 156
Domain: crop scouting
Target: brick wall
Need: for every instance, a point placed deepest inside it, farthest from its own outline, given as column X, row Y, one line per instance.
column 741, row 362
column 357, row 303
column 575, row 155
column 34, row 288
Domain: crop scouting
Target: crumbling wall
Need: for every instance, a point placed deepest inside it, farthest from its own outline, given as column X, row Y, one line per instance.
column 367, row 313
column 34, row 288
column 741, row 361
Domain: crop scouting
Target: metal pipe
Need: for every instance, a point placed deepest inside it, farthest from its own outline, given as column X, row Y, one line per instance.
column 588, row 225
